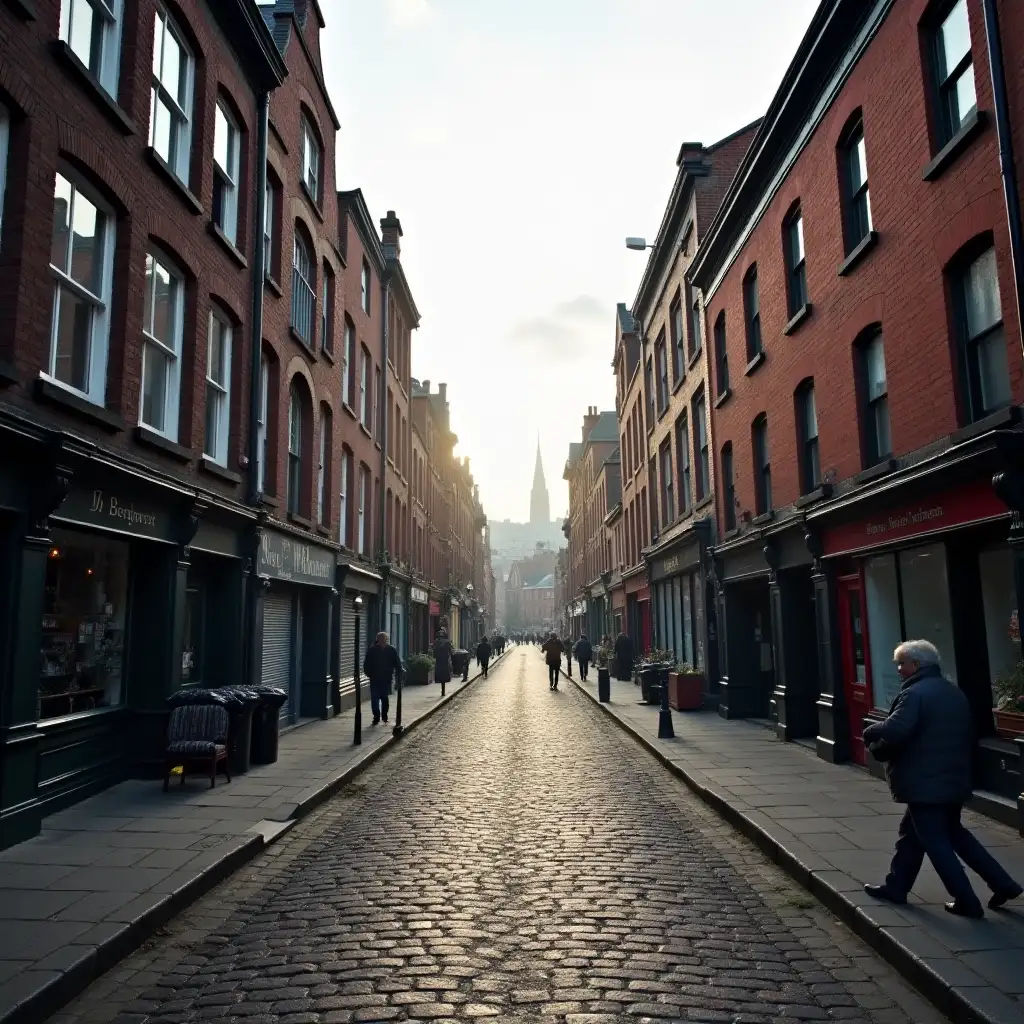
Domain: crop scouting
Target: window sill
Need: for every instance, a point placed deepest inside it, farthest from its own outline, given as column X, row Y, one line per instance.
column 662, row 412
column 723, row 398
column 754, row 363
column 679, row 383
column 207, row 465
column 692, row 362
column 294, row 517
column 311, row 200
column 859, row 251
column 328, row 355
column 227, row 245
column 820, row 493
column 1007, row 417
column 23, row 9
column 100, row 97
column 706, row 500
column 50, row 391
column 174, row 181
column 969, row 131
column 269, row 500
column 151, row 439
column 731, row 533
column 764, row 517
column 302, row 343
column 882, row 468
column 324, row 531
column 271, row 282
column 363, row 428
column 348, row 408
column 801, row 315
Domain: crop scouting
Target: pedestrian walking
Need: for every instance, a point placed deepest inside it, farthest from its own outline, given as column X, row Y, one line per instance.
column 584, row 652
column 380, row 665
column 552, row 648
column 483, row 654
column 442, row 657
column 926, row 743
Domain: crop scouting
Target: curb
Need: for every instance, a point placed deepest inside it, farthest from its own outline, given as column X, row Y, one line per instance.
column 955, row 1002
column 53, row 995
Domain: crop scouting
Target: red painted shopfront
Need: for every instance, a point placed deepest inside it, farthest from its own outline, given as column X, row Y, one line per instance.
column 937, row 568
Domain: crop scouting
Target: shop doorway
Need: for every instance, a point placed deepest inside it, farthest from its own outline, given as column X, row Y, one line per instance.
column 854, row 657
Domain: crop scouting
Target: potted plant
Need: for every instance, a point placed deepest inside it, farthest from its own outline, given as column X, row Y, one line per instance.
column 1009, row 709
column 685, row 687
column 419, row 668
column 652, row 674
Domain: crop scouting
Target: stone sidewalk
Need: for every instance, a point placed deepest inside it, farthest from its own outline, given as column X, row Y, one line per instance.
column 832, row 827
column 106, row 873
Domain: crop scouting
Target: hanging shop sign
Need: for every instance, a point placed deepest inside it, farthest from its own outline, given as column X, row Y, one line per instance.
column 419, row 595
column 435, row 607
column 290, row 559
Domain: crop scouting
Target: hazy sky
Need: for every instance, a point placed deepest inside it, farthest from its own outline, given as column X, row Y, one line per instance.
column 520, row 141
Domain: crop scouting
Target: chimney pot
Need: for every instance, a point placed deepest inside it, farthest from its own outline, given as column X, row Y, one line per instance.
column 391, row 232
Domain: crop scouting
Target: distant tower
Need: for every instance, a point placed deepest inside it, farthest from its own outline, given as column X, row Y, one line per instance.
column 540, row 510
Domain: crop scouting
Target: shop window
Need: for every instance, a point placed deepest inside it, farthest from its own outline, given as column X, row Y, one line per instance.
column 192, row 634
column 82, row 265
column 226, row 146
column 853, row 176
column 92, row 30
column 752, row 313
column 807, row 437
column 907, row 597
column 721, row 355
column 728, row 488
column 982, row 339
column 218, row 391
column 796, row 263
column 762, row 466
column 170, row 101
column 163, row 329
column 999, row 597
column 84, row 623
column 953, row 69
column 678, row 340
column 683, row 457
column 875, row 400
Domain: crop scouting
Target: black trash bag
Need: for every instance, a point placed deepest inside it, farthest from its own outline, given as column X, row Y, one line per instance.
column 271, row 696
column 195, row 695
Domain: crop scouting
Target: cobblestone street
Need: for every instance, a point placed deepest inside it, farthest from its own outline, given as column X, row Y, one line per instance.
column 516, row 857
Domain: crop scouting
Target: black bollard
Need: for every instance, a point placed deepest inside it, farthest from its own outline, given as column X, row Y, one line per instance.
column 665, row 730
column 604, row 685
column 399, row 728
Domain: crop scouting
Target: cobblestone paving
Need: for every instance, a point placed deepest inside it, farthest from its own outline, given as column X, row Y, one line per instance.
column 516, row 858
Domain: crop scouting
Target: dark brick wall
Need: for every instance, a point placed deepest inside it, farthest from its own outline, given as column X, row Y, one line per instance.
column 921, row 225
column 57, row 118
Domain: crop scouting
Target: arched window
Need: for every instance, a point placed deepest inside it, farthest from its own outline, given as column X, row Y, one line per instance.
column 303, row 290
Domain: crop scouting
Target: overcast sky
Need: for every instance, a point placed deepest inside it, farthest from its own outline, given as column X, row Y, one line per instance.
column 520, row 141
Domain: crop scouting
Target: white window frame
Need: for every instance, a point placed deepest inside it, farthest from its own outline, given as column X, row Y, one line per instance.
column 173, row 352
column 326, row 309
column 227, row 177
column 310, row 159
column 219, row 392
column 180, row 108
column 293, row 495
column 104, row 58
column 261, row 425
column 363, row 487
column 321, row 470
column 347, row 356
column 364, row 384
column 99, row 335
column 343, row 500
column 364, row 288
column 303, row 296
column 268, row 231
column 5, row 142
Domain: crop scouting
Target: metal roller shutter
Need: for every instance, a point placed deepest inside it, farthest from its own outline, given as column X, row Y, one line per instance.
column 277, row 644
column 347, row 653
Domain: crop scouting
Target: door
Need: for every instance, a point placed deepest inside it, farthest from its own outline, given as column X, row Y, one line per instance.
column 277, row 644
column 854, row 662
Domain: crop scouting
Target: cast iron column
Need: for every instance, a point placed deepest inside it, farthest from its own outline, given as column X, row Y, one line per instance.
column 357, row 738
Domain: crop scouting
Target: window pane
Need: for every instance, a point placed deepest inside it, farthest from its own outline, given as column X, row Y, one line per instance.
column 874, row 358
column 954, row 40
column 966, row 95
column 880, row 409
column 222, row 143
column 62, row 194
column 810, row 415
column 154, row 387
column 172, row 71
column 80, row 35
column 87, row 243
column 993, row 370
column 74, row 339
column 294, row 426
column 219, row 334
column 858, row 164
column 926, row 605
column 981, row 293
column 161, row 128
column 883, row 610
column 161, row 303
column 796, row 236
column 214, row 397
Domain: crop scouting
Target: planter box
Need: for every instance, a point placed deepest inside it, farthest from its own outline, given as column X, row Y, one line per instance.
column 652, row 678
column 1010, row 723
column 419, row 677
column 686, row 691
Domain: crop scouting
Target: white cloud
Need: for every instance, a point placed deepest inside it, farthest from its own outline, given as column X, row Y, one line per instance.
column 571, row 332
column 408, row 13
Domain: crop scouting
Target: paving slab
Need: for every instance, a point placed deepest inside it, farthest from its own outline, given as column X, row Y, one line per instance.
column 104, row 874
column 832, row 827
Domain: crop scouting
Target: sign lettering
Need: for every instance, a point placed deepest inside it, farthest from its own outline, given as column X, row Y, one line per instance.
column 100, row 507
column 419, row 595
column 285, row 558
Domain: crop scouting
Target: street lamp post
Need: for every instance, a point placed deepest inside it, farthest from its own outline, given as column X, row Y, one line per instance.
column 357, row 739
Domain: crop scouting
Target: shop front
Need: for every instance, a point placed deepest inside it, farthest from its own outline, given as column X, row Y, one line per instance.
column 683, row 614
column 419, row 620
column 355, row 625
column 296, row 605
column 639, row 626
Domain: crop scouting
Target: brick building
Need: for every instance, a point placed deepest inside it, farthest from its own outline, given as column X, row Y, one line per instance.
column 530, row 591
column 677, row 444
column 128, row 245
column 861, row 269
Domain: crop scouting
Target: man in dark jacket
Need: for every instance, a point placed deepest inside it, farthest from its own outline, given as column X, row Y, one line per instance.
column 584, row 652
column 567, row 647
column 380, row 665
column 442, row 657
column 623, row 657
column 483, row 654
column 552, row 648
column 926, row 743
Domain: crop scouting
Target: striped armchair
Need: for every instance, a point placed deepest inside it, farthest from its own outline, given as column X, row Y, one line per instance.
column 197, row 733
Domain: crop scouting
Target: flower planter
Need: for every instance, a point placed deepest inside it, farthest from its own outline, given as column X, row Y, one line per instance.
column 1010, row 724
column 686, row 690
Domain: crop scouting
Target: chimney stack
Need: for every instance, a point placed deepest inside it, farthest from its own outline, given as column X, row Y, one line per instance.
column 391, row 232
column 442, row 390
column 589, row 421
column 426, row 386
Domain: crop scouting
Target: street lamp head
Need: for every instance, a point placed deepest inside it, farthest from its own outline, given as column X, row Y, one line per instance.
column 358, row 601
column 469, row 588
column 637, row 244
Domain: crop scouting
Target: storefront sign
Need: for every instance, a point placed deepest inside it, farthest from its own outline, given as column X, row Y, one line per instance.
column 435, row 607
column 419, row 595
column 684, row 558
column 113, row 511
column 931, row 514
column 287, row 558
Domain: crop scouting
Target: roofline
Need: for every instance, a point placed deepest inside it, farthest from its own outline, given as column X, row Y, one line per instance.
column 356, row 202
column 396, row 269
column 317, row 74
column 273, row 70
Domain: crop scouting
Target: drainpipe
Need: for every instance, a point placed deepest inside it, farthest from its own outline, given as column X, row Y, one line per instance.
column 385, row 291
column 1007, row 169
column 259, row 273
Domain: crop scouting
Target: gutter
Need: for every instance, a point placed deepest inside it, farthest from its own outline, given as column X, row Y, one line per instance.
column 385, row 291
column 1007, row 170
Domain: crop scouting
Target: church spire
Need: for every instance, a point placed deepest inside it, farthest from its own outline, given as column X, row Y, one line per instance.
column 540, row 510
